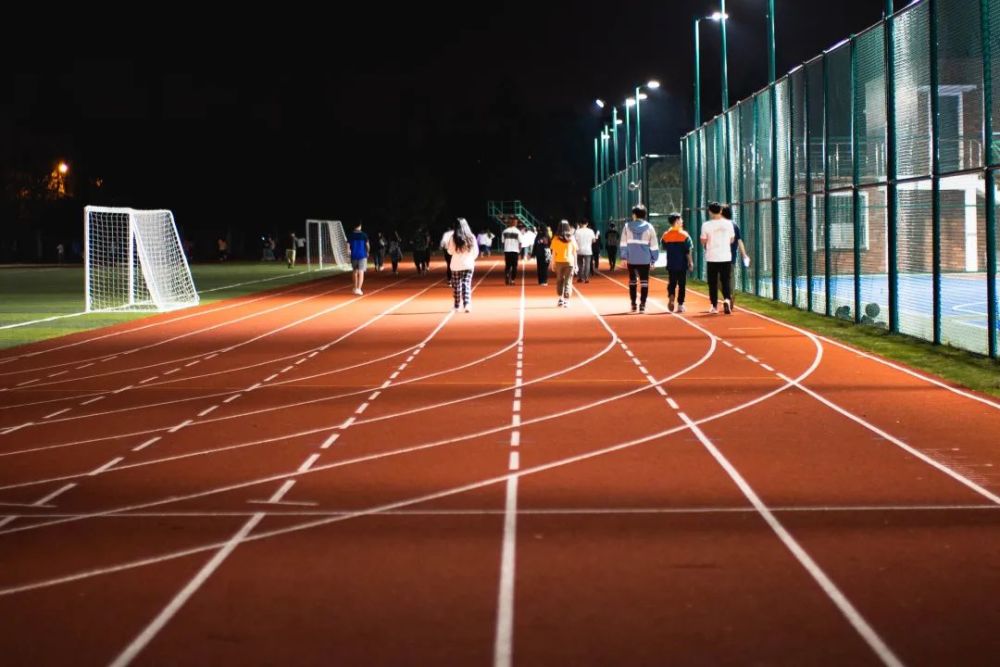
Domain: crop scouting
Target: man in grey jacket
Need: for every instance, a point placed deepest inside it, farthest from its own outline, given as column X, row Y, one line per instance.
column 639, row 250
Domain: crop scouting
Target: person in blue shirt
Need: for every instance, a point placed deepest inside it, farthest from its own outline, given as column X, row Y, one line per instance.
column 639, row 251
column 358, row 245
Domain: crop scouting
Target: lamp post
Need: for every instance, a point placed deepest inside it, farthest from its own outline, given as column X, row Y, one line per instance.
column 718, row 17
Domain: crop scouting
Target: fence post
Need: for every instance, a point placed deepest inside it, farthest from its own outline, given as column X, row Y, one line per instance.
column 740, row 176
column 892, row 193
column 935, row 171
column 991, row 199
column 791, row 189
column 855, row 179
column 826, row 183
column 810, row 214
column 775, row 288
column 756, row 199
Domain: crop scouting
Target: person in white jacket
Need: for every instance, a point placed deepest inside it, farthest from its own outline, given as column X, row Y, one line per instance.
column 461, row 245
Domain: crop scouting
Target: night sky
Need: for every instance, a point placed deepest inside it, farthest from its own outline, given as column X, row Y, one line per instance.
column 256, row 121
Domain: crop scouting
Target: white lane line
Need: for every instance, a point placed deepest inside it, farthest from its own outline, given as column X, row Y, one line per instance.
column 628, row 352
column 232, row 398
column 80, row 368
column 329, row 441
column 386, row 384
column 186, row 422
column 52, row 496
column 149, row 379
column 301, row 361
column 394, row 375
column 308, row 463
column 896, row 441
column 503, row 646
column 109, row 359
column 517, row 393
column 852, row 615
column 125, row 388
column 284, row 503
column 403, row 367
column 282, row 490
column 26, row 383
column 736, row 349
column 208, row 411
column 635, row 360
column 347, row 423
column 212, row 356
column 157, row 624
column 110, row 464
column 313, row 355
column 7, row 431
column 515, row 420
column 361, row 408
column 409, row 359
column 94, row 400
column 7, row 520
column 193, row 363
column 55, row 375
column 270, row 377
column 753, row 358
column 171, row 371
column 515, row 438
column 139, row 448
column 517, row 406
column 642, row 369
column 287, row 368
column 374, row 395
column 726, row 343
column 767, row 368
column 515, row 461
column 57, row 413
column 661, row 391
column 252, row 387
column 672, row 403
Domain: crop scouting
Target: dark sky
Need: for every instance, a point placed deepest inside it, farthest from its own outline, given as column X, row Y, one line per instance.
column 261, row 119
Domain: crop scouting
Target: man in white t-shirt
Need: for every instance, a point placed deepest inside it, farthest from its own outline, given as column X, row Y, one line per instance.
column 717, row 235
column 585, row 250
column 511, row 238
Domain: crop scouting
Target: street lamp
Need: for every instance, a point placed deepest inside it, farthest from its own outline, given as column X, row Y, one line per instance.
column 720, row 18
column 599, row 102
column 63, row 168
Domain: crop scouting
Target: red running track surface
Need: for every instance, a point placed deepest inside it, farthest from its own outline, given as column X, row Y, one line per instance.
column 308, row 477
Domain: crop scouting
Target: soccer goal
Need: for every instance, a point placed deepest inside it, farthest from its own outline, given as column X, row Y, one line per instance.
column 133, row 260
column 326, row 245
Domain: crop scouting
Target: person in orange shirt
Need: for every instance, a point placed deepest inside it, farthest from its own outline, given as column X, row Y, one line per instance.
column 564, row 253
column 678, row 246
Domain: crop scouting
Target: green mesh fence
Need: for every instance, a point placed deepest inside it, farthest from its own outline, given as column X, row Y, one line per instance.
column 824, row 236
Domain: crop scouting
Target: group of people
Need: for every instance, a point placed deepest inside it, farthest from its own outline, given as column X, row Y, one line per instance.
column 574, row 251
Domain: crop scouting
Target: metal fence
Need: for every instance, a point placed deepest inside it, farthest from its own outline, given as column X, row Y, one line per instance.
column 864, row 181
column 655, row 180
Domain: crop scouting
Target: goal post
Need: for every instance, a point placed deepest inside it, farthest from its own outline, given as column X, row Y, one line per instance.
column 326, row 245
column 133, row 260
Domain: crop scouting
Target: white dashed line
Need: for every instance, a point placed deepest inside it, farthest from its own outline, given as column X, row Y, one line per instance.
column 661, row 391
column 211, row 356
column 16, row 428
column 517, row 393
column 736, row 349
column 186, row 422
column 125, row 388
column 94, row 400
column 52, row 496
column 386, row 384
column 329, row 441
column 57, row 413
column 232, row 398
column 106, row 466
column 517, row 406
column 270, row 377
column 139, row 448
column 208, row 411
column 516, row 420
column 171, row 371
column 347, row 423
column 767, row 368
column 301, row 361
column 26, row 383
column 313, row 355
column 361, row 408
column 375, row 394
column 394, row 375
column 287, row 368
column 149, row 379
column 193, row 363
column 672, row 403
column 515, row 438
column 80, row 368
column 308, row 463
column 252, row 387
column 55, row 375
column 753, row 359
column 515, row 461
column 642, row 369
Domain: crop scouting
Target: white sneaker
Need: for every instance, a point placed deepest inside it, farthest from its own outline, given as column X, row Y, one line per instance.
column 560, row 304
column 681, row 309
column 356, row 292
column 713, row 311
column 468, row 307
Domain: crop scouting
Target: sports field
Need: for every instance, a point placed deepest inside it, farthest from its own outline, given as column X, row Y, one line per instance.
column 304, row 476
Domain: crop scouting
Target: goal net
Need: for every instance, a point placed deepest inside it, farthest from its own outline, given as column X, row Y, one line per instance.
column 133, row 260
column 326, row 245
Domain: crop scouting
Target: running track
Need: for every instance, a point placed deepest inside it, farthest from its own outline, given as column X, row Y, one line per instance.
column 307, row 477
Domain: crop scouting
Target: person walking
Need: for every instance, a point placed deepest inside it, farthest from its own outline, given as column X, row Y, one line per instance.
column 511, row 250
column 595, row 254
column 678, row 246
column 639, row 251
column 447, row 255
column 421, row 249
column 564, row 260
column 378, row 252
column 461, row 246
column 585, row 248
column 543, row 255
column 611, row 240
column 358, row 246
column 738, row 250
column 717, row 237
column 395, row 252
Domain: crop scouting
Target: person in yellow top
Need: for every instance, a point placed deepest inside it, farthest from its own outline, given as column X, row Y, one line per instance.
column 564, row 253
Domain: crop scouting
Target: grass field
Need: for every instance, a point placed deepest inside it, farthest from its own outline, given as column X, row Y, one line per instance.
column 29, row 293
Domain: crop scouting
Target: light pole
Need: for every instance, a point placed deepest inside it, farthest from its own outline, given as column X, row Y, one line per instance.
column 718, row 17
